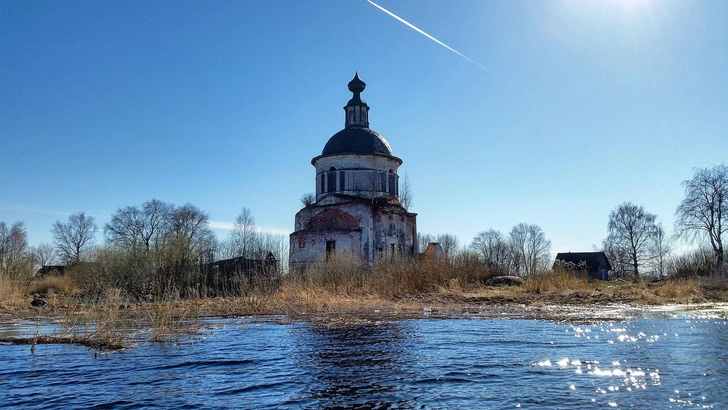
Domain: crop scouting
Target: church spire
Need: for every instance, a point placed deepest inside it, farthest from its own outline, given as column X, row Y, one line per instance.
column 357, row 111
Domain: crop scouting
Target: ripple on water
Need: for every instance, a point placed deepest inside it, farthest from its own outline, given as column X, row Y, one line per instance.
column 679, row 362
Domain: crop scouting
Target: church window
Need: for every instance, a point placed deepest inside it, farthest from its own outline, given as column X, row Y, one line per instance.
column 331, row 183
column 392, row 183
column 330, row 249
column 302, row 242
column 383, row 181
column 321, row 184
column 342, row 181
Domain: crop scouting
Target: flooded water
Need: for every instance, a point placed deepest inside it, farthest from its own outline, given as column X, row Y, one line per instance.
column 667, row 362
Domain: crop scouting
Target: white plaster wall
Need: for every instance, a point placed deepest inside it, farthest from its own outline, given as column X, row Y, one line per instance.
column 362, row 175
column 357, row 161
column 377, row 232
column 314, row 249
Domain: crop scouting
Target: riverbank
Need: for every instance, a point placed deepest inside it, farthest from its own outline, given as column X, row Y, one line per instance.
column 543, row 298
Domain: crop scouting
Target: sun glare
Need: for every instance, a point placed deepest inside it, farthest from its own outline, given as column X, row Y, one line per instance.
column 629, row 6
column 626, row 7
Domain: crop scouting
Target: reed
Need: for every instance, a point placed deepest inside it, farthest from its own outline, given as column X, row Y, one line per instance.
column 52, row 284
column 13, row 294
column 169, row 321
column 680, row 290
column 559, row 281
column 99, row 323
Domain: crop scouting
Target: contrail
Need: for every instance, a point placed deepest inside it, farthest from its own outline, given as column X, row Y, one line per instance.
column 413, row 27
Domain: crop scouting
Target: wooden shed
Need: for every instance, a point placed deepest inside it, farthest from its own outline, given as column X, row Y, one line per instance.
column 594, row 264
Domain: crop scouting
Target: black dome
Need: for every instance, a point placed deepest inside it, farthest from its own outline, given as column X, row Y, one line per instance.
column 356, row 140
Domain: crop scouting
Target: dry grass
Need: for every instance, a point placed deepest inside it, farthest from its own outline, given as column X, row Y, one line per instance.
column 560, row 281
column 677, row 290
column 12, row 294
column 52, row 284
column 100, row 323
column 344, row 287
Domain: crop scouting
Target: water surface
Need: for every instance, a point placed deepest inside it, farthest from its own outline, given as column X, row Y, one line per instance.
column 665, row 362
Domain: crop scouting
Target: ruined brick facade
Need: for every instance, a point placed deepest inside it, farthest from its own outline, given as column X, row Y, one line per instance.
column 357, row 209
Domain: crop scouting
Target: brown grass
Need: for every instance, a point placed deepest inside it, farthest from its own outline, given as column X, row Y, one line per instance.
column 342, row 288
column 52, row 284
column 560, row 281
column 12, row 294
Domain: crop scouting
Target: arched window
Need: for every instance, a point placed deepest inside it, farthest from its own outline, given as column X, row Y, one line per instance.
column 331, row 180
column 392, row 183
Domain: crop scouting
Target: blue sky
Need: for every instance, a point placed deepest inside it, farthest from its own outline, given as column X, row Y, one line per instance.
column 583, row 105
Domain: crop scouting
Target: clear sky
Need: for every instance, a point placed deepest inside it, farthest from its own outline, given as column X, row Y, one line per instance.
column 572, row 108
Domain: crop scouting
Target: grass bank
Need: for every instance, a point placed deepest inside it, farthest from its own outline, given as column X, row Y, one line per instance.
column 343, row 288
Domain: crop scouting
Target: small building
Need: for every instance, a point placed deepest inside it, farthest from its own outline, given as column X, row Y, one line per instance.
column 51, row 270
column 230, row 276
column 433, row 253
column 357, row 209
column 593, row 264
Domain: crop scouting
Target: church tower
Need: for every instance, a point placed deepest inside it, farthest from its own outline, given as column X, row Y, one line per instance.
column 357, row 207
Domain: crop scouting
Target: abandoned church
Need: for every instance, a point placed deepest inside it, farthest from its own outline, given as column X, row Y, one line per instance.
column 357, row 209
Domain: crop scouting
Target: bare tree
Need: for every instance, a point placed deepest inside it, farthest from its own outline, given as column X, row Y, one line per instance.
column 631, row 235
column 450, row 245
column 244, row 234
column 277, row 244
column 133, row 227
column 530, row 248
column 157, row 221
column 74, row 237
column 406, row 194
column 424, row 239
column 124, row 228
column 190, row 230
column 704, row 211
column 493, row 249
column 15, row 259
column 4, row 236
column 44, row 254
column 661, row 249
column 618, row 258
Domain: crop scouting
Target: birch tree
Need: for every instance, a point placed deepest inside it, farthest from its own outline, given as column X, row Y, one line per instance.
column 531, row 251
column 703, row 214
column 631, row 236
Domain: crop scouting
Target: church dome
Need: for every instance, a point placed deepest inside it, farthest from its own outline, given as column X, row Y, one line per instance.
column 356, row 140
column 356, row 137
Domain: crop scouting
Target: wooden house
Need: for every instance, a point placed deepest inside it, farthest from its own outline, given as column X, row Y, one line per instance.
column 235, row 274
column 594, row 264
